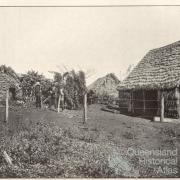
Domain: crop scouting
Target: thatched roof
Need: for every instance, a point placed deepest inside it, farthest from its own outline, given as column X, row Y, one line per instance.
column 159, row 69
column 106, row 85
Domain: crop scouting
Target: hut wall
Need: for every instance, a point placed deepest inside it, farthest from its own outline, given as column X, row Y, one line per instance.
column 151, row 103
column 170, row 106
column 147, row 103
column 124, row 101
column 138, row 102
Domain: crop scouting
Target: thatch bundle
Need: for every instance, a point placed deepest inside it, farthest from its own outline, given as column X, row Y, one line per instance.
column 159, row 69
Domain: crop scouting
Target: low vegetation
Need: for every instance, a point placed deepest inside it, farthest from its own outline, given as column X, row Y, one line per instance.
column 46, row 144
column 49, row 151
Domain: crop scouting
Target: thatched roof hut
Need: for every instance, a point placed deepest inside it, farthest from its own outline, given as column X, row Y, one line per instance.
column 105, row 86
column 7, row 82
column 159, row 69
column 153, row 85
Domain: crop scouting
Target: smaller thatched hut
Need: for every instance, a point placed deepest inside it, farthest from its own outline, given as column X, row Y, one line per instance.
column 7, row 82
column 152, row 88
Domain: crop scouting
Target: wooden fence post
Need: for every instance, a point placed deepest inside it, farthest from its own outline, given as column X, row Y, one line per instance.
column 41, row 103
column 85, row 108
column 59, row 103
column 7, row 106
column 162, row 107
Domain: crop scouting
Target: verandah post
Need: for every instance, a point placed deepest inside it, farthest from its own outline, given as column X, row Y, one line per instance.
column 162, row 107
column 144, row 102
column 132, row 102
column 177, row 96
column 158, row 102
column 119, row 102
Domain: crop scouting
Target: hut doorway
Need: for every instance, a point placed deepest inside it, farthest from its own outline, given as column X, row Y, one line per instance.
column 12, row 93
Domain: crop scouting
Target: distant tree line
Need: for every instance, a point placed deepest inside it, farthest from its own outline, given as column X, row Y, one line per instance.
column 73, row 84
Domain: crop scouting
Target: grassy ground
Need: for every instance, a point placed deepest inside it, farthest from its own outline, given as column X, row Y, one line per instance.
column 104, row 147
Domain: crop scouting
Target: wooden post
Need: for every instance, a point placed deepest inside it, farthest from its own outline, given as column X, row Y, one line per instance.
column 85, row 108
column 177, row 96
column 62, row 100
column 59, row 99
column 132, row 102
column 158, row 102
column 7, row 106
column 41, row 103
column 162, row 107
column 119, row 102
column 144, row 102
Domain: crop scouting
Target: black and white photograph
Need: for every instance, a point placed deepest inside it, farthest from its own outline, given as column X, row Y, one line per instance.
column 89, row 89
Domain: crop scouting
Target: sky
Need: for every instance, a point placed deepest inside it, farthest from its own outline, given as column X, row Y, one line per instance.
column 99, row 39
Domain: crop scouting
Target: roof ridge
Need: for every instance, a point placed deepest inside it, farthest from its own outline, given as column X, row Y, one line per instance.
column 174, row 44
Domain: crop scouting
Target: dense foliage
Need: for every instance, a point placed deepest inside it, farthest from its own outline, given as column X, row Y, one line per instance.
column 74, row 86
column 30, row 78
